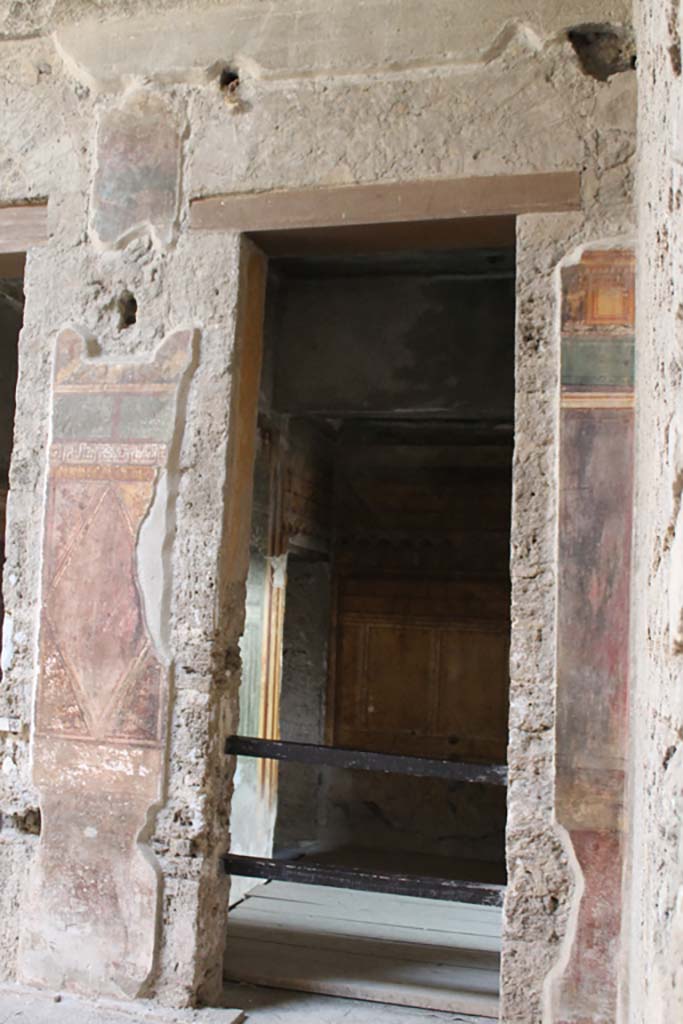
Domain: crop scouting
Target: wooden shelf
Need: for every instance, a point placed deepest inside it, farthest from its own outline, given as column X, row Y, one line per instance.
column 482, row 893
column 365, row 760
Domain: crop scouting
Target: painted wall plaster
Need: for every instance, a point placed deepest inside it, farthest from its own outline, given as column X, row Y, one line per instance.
column 594, row 577
column 101, row 706
column 653, row 971
column 489, row 106
column 545, row 882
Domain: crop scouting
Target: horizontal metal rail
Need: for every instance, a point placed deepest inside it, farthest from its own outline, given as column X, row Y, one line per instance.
column 366, row 760
column 425, row 887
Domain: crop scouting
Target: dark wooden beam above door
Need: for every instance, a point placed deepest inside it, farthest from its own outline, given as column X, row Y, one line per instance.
column 441, row 213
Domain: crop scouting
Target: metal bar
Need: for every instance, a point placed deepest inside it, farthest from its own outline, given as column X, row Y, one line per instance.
column 366, row 760
column 483, row 893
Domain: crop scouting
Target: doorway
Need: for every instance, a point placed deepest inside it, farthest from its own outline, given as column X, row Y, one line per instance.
column 11, row 320
column 377, row 624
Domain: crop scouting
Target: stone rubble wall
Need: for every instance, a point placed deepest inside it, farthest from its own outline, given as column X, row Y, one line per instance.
column 653, row 972
column 322, row 100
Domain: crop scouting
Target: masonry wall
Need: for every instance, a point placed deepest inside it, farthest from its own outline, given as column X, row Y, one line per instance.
column 653, row 972
column 120, row 123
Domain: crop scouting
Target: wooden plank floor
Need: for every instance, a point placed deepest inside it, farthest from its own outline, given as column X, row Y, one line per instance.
column 373, row 946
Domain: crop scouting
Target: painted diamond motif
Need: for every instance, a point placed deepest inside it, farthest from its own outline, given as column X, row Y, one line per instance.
column 94, row 606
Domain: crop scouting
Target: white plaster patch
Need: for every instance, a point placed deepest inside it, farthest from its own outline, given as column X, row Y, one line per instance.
column 676, row 587
column 151, row 563
column 279, row 570
column 675, row 466
column 7, row 642
column 677, row 147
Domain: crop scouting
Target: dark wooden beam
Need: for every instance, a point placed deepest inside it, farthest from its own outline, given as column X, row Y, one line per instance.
column 366, row 760
column 386, row 203
column 12, row 265
column 483, row 893
column 410, row 236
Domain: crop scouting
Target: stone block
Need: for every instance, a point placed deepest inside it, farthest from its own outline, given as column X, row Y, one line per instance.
column 315, row 36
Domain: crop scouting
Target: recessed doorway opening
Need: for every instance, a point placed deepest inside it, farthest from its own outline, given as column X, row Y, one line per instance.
column 378, row 622
column 11, row 320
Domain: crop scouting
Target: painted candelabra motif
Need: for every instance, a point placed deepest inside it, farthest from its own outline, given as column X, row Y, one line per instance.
column 103, row 679
column 594, row 571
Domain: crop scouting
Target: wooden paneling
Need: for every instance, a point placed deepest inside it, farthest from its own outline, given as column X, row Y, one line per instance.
column 473, row 690
column 421, row 640
column 422, row 667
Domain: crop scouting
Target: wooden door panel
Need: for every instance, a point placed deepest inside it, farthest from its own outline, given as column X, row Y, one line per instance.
column 473, row 691
column 350, row 712
column 399, row 673
column 422, row 667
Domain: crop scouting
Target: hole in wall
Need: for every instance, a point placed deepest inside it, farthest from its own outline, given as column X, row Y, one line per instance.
column 28, row 822
column 675, row 36
column 128, row 310
column 229, row 80
column 603, row 50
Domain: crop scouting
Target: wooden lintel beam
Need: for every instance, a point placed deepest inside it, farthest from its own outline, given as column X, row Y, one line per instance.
column 423, row 201
column 366, row 760
column 22, row 227
column 309, row 873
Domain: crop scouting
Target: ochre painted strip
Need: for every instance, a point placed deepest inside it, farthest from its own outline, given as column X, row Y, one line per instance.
column 388, row 203
column 597, row 400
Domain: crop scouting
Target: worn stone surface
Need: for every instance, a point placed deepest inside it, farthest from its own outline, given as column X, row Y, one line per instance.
column 24, row 1005
column 653, row 974
column 329, row 38
column 469, row 95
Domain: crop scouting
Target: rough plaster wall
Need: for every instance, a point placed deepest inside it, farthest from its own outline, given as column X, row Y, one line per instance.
column 655, row 967
column 543, row 884
column 309, row 122
column 70, row 279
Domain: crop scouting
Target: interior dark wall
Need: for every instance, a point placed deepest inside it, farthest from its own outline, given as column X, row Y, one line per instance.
column 302, row 697
column 11, row 315
column 397, row 344
column 407, row 374
column 11, row 318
